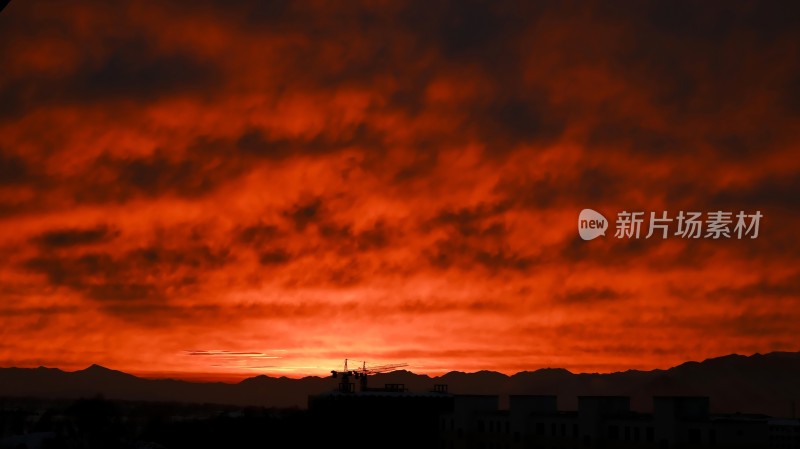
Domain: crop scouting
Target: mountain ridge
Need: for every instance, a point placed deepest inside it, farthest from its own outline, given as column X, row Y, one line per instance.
column 759, row 383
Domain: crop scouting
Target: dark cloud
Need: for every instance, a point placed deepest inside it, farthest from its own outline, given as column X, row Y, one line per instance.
column 253, row 141
column 336, row 234
column 470, row 28
column 256, row 142
column 470, row 221
column 143, row 274
column 585, row 186
column 475, row 237
column 135, row 69
column 14, row 169
column 380, row 235
column 75, row 237
column 791, row 97
column 467, row 256
column 622, row 134
column 274, row 257
column 129, row 68
column 694, row 72
column 259, row 234
column 422, row 165
column 304, row 213
column 776, row 193
column 518, row 120
column 348, row 241
column 157, row 175
column 740, row 146
column 113, row 179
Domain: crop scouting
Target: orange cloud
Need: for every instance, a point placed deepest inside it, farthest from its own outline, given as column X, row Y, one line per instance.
column 223, row 190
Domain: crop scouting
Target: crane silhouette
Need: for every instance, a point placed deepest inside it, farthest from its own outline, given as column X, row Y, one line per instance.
column 361, row 373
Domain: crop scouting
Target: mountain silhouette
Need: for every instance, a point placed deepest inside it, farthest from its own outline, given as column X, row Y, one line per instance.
column 759, row 383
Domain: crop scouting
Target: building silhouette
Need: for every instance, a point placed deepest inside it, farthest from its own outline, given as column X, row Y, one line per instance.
column 534, row 421
column 455, row 421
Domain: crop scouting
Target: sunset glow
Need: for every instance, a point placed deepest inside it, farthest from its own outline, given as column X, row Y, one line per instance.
column 223, row 191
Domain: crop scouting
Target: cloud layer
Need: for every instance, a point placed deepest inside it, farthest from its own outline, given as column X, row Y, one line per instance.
column 198, row 188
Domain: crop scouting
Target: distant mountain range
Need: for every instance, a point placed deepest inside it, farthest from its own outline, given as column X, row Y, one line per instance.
column 767, row 383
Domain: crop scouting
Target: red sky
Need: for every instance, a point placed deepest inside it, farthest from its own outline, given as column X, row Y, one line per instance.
column 253, row 189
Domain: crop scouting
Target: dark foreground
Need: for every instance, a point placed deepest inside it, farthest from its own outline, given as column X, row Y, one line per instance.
column 99, row 423
column 385, row 420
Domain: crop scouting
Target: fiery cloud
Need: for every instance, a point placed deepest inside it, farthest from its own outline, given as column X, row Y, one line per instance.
column 392, row 182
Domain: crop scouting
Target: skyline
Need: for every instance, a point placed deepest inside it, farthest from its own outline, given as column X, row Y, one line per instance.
column 235, row 378
column 269, row 188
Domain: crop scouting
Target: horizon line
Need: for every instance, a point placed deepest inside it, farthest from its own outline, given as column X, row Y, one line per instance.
column 237, row 377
